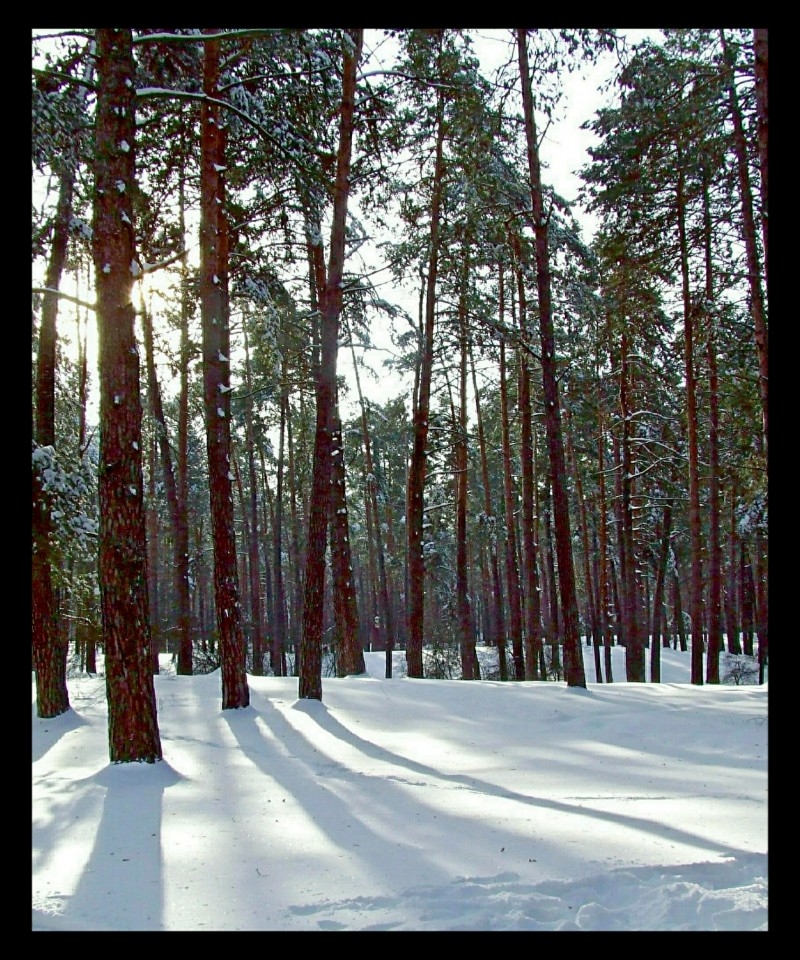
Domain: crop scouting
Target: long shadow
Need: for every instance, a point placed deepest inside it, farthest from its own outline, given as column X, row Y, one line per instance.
column 329, row 813
column 47, row 733
column 319, row 714
column 126, row 853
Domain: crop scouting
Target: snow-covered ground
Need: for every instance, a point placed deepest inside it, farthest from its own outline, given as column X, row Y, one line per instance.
column 410, row 805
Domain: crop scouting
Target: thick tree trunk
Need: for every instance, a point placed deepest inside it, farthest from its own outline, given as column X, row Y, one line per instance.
column 132, row 722
column 216, row 387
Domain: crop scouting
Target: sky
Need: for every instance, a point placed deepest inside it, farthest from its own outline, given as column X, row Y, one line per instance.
column 563, row 150
column 409, row 805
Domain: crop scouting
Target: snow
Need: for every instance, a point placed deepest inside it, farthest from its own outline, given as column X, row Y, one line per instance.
column 427, row 805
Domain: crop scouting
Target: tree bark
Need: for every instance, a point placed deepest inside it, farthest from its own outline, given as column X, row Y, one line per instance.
column 761, row 45
column 466, row 627
column 371, row 494
column 496, row 617
column 603, row 548
column 350, row 659
column 418, row 465
column 49, row 647
column 587, row 572
column 634, row 646
column 216, row 386
column 329, row 290
column 512, row 569
column 254, row 565
column 133, row 733
column 573, row 655
column 757, row 310
column 533, row 626
column 696, row 595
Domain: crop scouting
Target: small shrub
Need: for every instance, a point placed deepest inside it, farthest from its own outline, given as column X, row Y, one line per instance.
column 739, row 669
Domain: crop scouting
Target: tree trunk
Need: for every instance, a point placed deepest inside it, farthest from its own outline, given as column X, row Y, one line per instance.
column 677, row 603
column 634, row 647
column 350, row 660
column 533, row 626
column 254, row 564
column 587, row 572
column 762, row 619
column 279, row 634
column 696, row 595
column 731, row 598
column 297, row 582
column 184, row 665
column 496, row 626
column 176, row 508
column 512, row 570
column 466, row 627
column 602, row 510
column 329, row 290
column 49, row 649
column 216, row 387
column 747, row 604
column 133, row 733
column 658, row 599
column 757, row 309
column 760, row 43
column 371, row 494
column 715, row 548
column 573, row 655
column 418, row 466
column 151, row 529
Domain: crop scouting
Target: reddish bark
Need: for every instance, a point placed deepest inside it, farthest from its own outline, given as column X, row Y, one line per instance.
column 132, row 723
column 216, row 387
column 573, row 656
